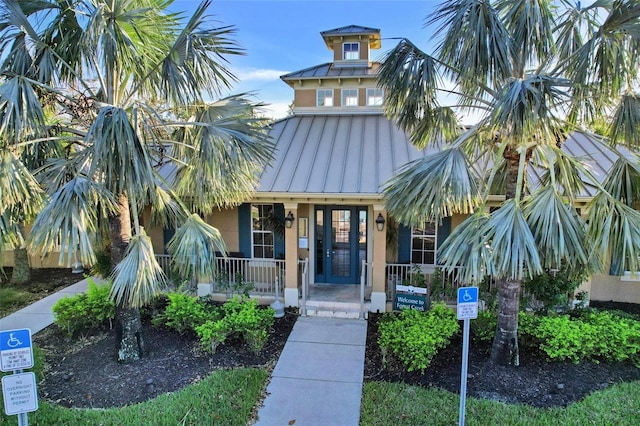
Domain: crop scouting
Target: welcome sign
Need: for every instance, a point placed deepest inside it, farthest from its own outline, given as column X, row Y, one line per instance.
column 417, row 302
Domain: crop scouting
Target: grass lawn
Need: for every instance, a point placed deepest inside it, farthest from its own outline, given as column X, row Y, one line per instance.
column 400, row 404
column 226, row 397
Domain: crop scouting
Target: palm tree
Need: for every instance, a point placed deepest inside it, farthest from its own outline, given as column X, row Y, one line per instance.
column 127, row 82
column 533, row 72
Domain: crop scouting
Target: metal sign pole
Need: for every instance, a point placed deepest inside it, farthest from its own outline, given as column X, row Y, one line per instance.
column 467, row 310
column 463, row 374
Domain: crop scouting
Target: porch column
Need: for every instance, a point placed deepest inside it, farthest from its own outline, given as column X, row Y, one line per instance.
column 378, row 293
column 291, row 257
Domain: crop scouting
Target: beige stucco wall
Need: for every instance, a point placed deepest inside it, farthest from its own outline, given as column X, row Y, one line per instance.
column 613, row 288
column 337, row 48
column 306, row 98
column 226, row 221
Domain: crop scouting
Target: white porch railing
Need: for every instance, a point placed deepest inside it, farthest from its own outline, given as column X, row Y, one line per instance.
column 235, row 275
column 440, row 285
column 303, row 280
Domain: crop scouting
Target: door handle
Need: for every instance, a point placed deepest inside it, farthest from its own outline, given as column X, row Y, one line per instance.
column 328, row 253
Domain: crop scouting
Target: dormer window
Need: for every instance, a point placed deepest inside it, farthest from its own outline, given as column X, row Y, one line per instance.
column 351, row 51
column 350, row 97
column 324, row 97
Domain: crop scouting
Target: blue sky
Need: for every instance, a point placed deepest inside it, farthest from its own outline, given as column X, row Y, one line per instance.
column 281, row 36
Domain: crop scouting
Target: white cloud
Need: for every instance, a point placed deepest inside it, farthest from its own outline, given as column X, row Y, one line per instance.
column 276, row 110
column 258, row 74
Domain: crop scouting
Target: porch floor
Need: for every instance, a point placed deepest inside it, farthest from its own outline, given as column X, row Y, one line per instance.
column 346, row 293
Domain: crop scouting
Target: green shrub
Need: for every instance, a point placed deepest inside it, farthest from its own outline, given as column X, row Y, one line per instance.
column 184, row 313
column 242, row 317
column 594, row 336
column 212, row 334
column 92, row 310
column 103, row 266
column 552, row 288
column 483, row 328
column 414, row 337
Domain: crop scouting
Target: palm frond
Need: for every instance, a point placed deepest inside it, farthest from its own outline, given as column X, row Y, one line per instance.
column 564, row 171
column 441, row 125
column 558, row 230
column 223, row 152
column 196, row 62
column 476, row 44
column 119, row 156
column 138, row 278
column 167, row 210
column 432, row 187
column 623, row 180
column 625, row 124
column 69, row 221
column 21, row 114
column 614, row 232
column 514, row 253
column 608, row 58
column 530, row 23
column 193, row 248
column 20, row 192
column 410, row 80
column 529, row 106
column 466, row 252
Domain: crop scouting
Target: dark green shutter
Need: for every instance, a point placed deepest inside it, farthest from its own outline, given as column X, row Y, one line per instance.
column 244, row 229
column 404, row 244
column 278, row 238
column 444, row 230
column 167, row 235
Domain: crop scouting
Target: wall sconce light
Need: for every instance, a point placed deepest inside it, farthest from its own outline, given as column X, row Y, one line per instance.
column 288, row 220
column 380, row 222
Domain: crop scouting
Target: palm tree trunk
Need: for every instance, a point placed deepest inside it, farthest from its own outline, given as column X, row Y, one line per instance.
column 129, row 339
column 505, row 349
column 21, row 267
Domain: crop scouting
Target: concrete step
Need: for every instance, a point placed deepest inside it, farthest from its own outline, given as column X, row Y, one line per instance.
column 335, row 309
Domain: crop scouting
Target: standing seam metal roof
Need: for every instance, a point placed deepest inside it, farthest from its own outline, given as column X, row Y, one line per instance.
column 355, row 154
column 336, row 154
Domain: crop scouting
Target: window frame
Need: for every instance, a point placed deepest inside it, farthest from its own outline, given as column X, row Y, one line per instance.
column 344, row 96
column 257, row 220
column 350, row 52
column 424, row 253
column 370, row 96
column 326, row 91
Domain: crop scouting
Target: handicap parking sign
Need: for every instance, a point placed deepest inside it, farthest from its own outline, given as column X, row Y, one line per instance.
column 15, row 350
column 467, row 303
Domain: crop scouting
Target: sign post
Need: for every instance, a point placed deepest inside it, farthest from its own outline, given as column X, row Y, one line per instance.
column 19, row 389
column 467, row 310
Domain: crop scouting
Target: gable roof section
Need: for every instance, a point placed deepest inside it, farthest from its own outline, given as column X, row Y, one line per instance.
column 335, row 155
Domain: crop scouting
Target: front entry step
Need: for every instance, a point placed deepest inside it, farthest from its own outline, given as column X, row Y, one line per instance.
column 335, row 309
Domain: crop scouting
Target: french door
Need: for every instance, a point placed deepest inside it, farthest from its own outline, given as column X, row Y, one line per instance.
column 341, row 243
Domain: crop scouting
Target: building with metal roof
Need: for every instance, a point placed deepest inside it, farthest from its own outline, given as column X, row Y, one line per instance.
column 337, row 250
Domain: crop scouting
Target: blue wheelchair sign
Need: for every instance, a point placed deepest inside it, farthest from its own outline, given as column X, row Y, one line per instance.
column 15, row 339
column 468, row 295
column 15, row 350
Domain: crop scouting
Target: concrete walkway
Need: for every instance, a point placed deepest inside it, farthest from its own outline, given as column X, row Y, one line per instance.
column 39, row 315
column 318, row 377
